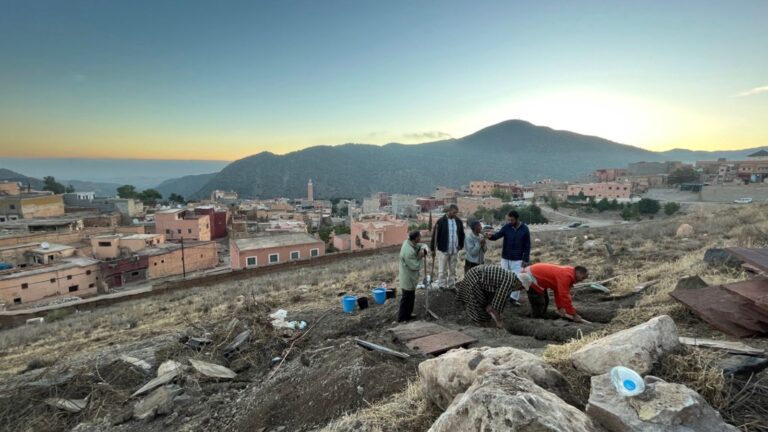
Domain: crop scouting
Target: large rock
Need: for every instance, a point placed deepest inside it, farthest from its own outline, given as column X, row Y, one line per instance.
column 444, row 377
column 637, row 348
column 684, row 230
column 662, row 407
column 501, row 400
column 159, row 402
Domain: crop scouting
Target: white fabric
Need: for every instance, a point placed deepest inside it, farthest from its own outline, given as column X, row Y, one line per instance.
column 453, row 237
column 446, row 263
column 515, row 267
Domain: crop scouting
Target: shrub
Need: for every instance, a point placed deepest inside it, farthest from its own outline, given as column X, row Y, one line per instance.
column 648, row 206
column 671, row 208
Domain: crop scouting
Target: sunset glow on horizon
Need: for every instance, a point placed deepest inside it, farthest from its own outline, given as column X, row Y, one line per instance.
column 197, row 81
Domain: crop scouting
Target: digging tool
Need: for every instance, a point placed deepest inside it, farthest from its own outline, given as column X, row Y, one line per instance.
column 428, row 286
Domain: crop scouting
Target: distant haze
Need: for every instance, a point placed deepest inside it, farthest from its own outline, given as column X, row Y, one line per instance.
column 138, row 172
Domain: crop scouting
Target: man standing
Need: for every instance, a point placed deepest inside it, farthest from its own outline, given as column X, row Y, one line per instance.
column 475, row 247
column 447, row 241
column 411, row 254
column 516, row 249
column 559, row 279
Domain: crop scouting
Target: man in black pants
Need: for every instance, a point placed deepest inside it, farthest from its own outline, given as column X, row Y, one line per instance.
column 411, row 254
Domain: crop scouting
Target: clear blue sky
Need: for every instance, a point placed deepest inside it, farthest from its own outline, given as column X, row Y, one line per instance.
column 221, row 80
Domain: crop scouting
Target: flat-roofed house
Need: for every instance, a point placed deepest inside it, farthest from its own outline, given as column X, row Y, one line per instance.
column 178, row 224
column 70, row 276
column 273, row 249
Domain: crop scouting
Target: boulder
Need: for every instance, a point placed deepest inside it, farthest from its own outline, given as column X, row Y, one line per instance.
column 684, row 230
column 637, row 348
column 722, row 258
column 444, row 377
column 662, row 407
column 159, row 402
column 501, row 400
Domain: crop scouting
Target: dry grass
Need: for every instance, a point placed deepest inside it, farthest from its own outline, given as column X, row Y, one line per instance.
column 406, row 411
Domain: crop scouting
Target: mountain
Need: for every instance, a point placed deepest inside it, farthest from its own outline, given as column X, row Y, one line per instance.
column 691, row 156
column 185, row 186
column 511, row 150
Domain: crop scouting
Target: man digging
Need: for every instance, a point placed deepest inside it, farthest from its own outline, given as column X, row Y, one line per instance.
column 485, row 289
column 560, row 279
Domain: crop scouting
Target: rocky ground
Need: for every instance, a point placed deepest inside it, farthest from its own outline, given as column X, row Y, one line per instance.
column 320, row 379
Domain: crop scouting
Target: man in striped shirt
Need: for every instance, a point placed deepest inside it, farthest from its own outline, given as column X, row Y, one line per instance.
column 484, row 292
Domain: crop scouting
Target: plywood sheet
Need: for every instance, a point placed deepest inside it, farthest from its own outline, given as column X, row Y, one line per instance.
column 415, row 330
column 724, row 310
column 440, row 342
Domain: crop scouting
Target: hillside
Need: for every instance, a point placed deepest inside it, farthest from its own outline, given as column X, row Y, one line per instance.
column 692, row 156
column 185, row 186
column 512, row 150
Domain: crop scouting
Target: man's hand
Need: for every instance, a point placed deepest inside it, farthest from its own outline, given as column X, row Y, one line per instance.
column 488, row 235
column 580, row 320
column 422, row 253
column 482, row 241
column 524, row 264
column 495, row 315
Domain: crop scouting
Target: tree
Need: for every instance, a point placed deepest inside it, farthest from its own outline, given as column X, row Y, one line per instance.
column 69, row 189
column 671, row 208
column 430, row 220
column 127, row 191
column 648, row 206
column 50, row 184
column 176, row 198
column 603, row 205
column 150, row 196
column 581, row 196
column 683, row 175
column 553, row 203
column 342, row 229
column 630, row 212
column 504, row 196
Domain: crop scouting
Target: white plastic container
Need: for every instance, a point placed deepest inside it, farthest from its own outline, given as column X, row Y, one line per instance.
column 627, row 382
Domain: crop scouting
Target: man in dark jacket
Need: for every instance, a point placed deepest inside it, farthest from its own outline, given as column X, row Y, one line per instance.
column 516, row 249
column 447, row 241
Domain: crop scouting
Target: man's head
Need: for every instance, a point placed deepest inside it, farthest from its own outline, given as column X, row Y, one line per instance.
column 452, row 211
column 414, row 236
column 476, row 226
column 581, row 273
column 513, row 217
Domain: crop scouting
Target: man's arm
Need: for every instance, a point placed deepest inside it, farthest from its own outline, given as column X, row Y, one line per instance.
column 498, row 234
column 473, row 245
column 410, row 259
column 563, row 299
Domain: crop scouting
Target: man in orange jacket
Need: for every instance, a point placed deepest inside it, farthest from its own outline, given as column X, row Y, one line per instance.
column 560, row 280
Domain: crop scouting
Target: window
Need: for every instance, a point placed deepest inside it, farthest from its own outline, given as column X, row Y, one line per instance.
column 295, row 255
column 105, row 244
column 17, row 300
column 314, row 252
column 53, row 280
column 155, row 263
column 88, row 272
column 250, row 261
column 178, row 231
column 24, row 286
column 13, row 206
column 74, row 288
column 273, row 258
column 167, row 231
column 135, row 273
column 2, row 218
column 189, row 230
column 69, row 277
column 91, row 285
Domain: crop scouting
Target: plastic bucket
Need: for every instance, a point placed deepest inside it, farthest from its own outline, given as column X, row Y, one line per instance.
column 349, row 302
column 391, row 293
column 379, row 295
column 362, row 303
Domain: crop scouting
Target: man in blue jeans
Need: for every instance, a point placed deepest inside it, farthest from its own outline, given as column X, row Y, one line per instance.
column 516, row 249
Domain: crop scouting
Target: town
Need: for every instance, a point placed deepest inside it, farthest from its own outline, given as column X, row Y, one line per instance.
column 64, row 247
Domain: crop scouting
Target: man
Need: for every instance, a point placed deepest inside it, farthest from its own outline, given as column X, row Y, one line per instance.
column 484, row 292
column 447, row 240
column 560, row 280
column 516, row 249
column 474, row 246
column 411, row 254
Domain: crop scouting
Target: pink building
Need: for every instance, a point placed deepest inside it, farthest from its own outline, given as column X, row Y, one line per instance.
column 273, row 249
column 342, row 242
column 486, row 188
column 112, row 246
column 610, row 190
column 469, row 205
column 76, row 276
column 177, row 224
column 376, row 233
column 608, row 174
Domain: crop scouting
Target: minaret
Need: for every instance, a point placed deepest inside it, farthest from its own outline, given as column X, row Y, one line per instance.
column 310, row 191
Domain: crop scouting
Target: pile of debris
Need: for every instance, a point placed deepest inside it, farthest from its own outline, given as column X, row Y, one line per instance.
column 505, row 389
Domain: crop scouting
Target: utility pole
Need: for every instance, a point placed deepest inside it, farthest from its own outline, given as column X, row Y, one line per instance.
column 183, row 264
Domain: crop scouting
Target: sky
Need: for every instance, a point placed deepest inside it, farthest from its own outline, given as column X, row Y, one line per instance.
column 206, row 80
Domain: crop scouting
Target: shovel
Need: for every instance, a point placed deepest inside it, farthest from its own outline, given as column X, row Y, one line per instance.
column 428, row 286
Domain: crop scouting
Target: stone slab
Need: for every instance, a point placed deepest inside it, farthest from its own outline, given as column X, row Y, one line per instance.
column 415, row 330
column 440, row 342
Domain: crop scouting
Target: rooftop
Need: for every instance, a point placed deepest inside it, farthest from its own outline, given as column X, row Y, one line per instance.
column 276, row 240
column 64, row 264
column 52, row 247
column 141, row 236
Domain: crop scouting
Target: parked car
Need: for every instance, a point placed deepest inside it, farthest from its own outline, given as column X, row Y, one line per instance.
column 743, row 200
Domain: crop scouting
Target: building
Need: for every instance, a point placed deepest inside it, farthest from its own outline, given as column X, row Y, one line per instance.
column 112, row 246
column 128, row 208
column 446, row 194
column 69, row 276
column 487, row 188
column 404, row 205
column 9, row 188
column 183, row 224
column 224, row 197
column 469, row 205
column 430, row 204
column 218, row 220
column 59, row 224
column 30, row 205
column 598, row 191
column 650, row 168
column 372, row 233
column 342, row 242
column 273, row 249
column 310, row 191
column 605, row 175
column 371, row 205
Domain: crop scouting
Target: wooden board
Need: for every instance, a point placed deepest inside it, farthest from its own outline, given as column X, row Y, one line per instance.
column 724, row 310
column 732, row 347
column 440, row 342
column 415, row 330
column 756, row 257
column 755, row 290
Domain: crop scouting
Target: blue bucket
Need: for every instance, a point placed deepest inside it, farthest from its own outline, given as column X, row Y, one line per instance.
column 349, row 303
column 379, row 295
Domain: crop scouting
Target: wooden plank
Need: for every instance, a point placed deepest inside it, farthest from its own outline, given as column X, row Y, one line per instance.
column 732, row 347
column 724, row 310
column 755, row 290
column 415, row 330
column 440, row 343
column 381, row 349
column 757, row 257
